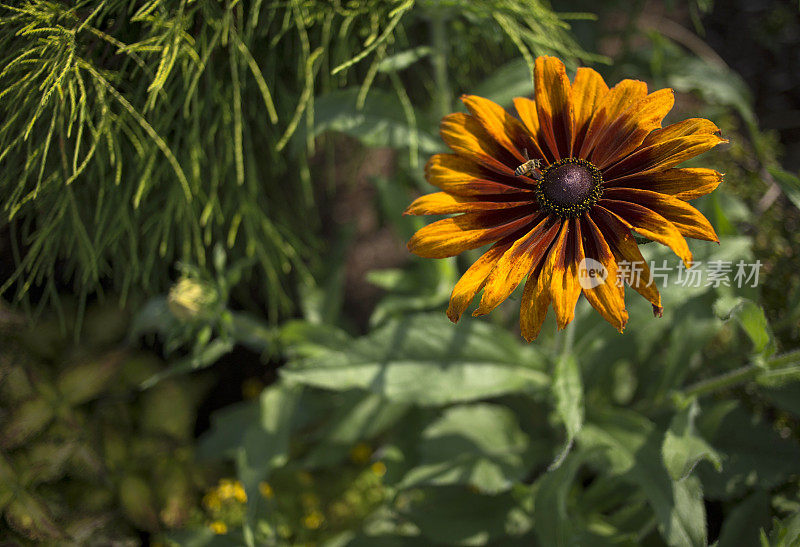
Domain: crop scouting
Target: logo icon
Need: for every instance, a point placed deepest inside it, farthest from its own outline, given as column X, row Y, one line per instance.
column 591, row 273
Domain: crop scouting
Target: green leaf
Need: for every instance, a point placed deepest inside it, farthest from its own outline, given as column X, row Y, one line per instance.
column 785, row 533
column 453, row 515
column 568, row 392
column 361, row 416
column 789, row 183
column 750, row 316
column 683, row 448
column 479, row 445
column 304, row 339
column 632, row 448
column 754, row 453
column 380, row 123
column 228, row 426
column 554, row 525
column 742, row 524
column 426, row 360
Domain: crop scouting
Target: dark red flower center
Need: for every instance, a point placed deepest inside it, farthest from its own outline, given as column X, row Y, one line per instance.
column 569, row 187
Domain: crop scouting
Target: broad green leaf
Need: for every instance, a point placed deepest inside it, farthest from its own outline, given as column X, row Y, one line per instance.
column 750, row 316
column 683, row 448
column 742, row 524
column 568, row 392
column 361, row 417
column 754, row 453
column 425, row 285
column 553, row 523
column 380, row 123
column 426, row 360
column 454, row 515
column 632, row 447
column 479, row 445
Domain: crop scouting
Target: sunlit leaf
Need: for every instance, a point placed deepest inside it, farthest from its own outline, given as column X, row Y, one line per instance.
column 425, row 359
column 479, row 445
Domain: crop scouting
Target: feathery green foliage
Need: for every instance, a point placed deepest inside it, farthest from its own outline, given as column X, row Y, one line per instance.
column 137, row 134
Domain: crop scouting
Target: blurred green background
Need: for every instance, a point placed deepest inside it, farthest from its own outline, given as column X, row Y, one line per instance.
column 211, row 332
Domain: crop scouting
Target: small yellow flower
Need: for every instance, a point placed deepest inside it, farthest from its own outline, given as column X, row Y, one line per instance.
column 266, row 490
column 360, row 453
column 313, row 520
column 379, row 468
column 190, row 299
column 218, row 527
column 238, row 492
column 211, row 501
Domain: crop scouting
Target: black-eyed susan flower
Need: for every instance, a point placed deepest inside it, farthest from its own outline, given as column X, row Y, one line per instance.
column 605, row 168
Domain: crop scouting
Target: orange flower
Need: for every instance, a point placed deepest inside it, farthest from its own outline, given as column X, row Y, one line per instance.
column 603, row 166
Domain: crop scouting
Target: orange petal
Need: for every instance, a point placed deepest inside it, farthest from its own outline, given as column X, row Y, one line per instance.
column 520, row 259
column 553, row 95
column 535, row 301
column 651, row 225
column 526, row 109
column 502, row 126
column 661, row 156
column 453, row 236
column 682, row 183
column 465, row 135
column 442, row 203
column 625, row 248
column 627, row 132
column 588, row 90
column 618, row 99
column 474, row 279
column 683, row 128
column 464, row 177
column 607, row 298
column 689, row 221
column 564, row 286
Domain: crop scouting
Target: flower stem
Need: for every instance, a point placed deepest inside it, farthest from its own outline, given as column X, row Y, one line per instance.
column 569, row 338
column 775, row 368
column 439, row 60
column 723, row 381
